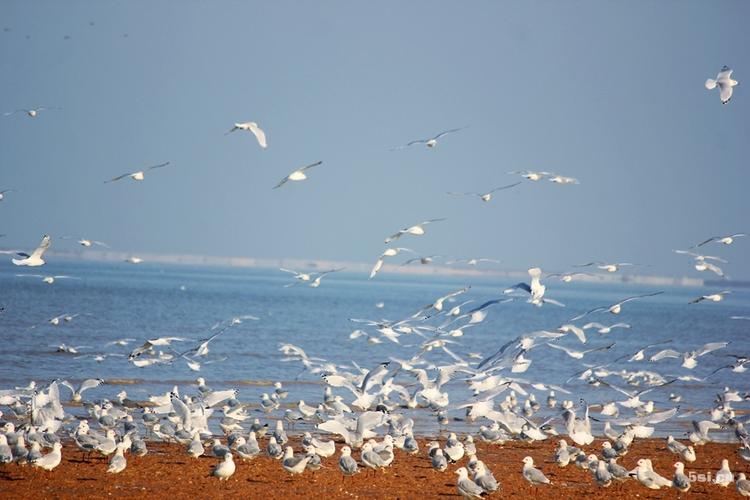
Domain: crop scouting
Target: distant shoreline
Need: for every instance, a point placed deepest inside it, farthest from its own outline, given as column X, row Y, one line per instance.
column 361, row 267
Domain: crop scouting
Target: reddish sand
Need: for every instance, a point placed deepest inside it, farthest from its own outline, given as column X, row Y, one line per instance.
column 168, row 472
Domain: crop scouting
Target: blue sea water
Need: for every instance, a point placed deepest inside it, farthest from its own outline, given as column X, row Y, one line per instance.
column 146, row 301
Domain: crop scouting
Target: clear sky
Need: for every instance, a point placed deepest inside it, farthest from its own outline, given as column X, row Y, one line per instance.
column 608, row 92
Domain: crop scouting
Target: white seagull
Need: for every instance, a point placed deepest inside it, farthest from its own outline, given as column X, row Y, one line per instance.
column 431, row 142
column 486, row 196
column 47, row 279
column 137, row 176
column 535, row 289
column 389, row 252
column 2, row 193
column 35, row 259
column 726, row 240
column 714, row 297
column 251, row 127
column 297, row 175
column 31, row 112
column 724, row 82
column 415, row 230
column 616, row 307
column 531, row 175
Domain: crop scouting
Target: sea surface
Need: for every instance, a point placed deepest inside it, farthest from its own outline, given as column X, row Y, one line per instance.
column 119, row 300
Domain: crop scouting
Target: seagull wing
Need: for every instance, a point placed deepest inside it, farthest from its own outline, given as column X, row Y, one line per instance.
column 259, row 134
column 43, row 246
column 281, row 182
column 160, row 165
column 505, row 187
column 712, row 346
column 311, row 165
column 666, row 353
column 446, row 132
column 119, row 177
column 640, row 297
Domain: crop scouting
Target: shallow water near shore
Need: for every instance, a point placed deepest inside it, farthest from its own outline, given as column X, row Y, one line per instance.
column 117, row 301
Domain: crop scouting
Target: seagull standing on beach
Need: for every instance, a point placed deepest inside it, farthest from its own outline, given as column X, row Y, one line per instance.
column 724, row 82
column 297, row 175
column 139, row 175
column 532, row 474
column 251, row 127
column 431, row 142
column 35, row 259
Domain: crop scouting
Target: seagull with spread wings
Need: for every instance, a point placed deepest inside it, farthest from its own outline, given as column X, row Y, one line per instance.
column 139, row 175
column 690, row 358
column 616, row 307
column 35, row 259
column 297, row 175
column 415, row 230
column 2, row 193
column 535, row 289
column 30, row 112
column 701, row 263
column 531, row 175
column 254, row 129
column 606, row 266
column 389, row 252
column 714, row 297
column 430, row 142
column 724, row 82
column 725, row 240
column 486, row 196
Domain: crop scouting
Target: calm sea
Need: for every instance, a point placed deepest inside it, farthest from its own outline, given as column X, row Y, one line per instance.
column 115, row 301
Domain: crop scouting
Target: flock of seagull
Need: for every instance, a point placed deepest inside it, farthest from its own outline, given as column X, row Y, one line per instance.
column 368, row 408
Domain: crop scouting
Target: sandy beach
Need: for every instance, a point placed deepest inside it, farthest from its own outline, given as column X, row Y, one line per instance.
column 167, row 472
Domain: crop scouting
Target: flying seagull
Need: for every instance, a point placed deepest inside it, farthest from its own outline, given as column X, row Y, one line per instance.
column 431, row 142
column 561, row 179
column 487, row 196
column 46, row 279
column 2, row 193
column 534, row 288
column 251, row 127
column 416, row 230
column 724, row 82
column 702, row 265
column 297, row 175
column 35, row 259
column 137, row 176
column 726, row 240
column 616, row 307
column 609, row 267
column 531, row 175
column 34, row 111
column 714, row 297
column 389, row 252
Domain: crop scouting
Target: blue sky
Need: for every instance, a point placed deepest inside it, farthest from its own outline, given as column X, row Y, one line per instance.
column 608, row 92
